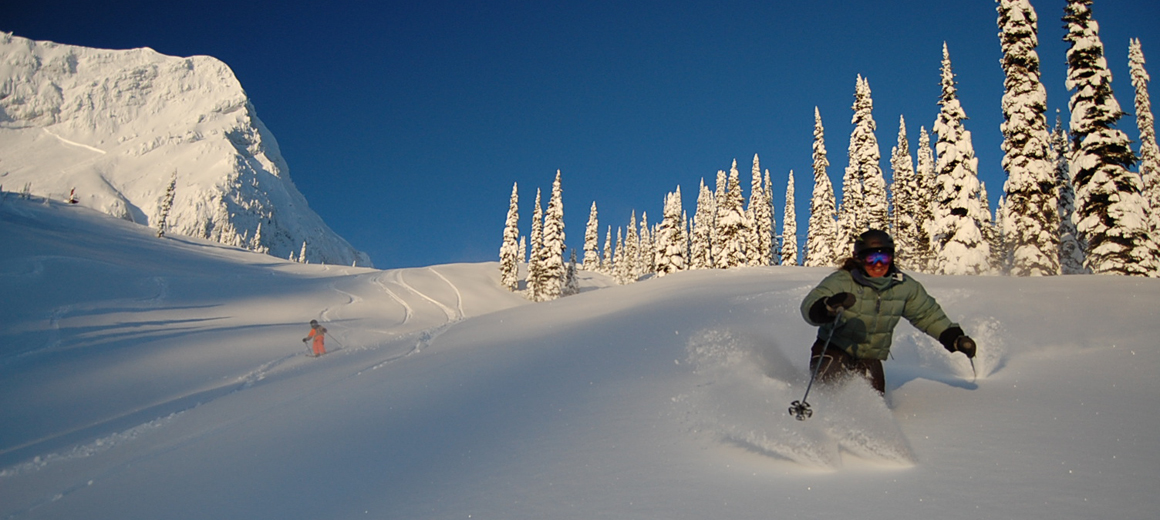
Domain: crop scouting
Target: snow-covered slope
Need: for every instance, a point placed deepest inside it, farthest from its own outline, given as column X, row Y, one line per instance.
column 116, row 124
column 148, row 378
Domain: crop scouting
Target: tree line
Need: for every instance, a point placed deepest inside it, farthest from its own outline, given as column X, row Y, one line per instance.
column 1071, row 204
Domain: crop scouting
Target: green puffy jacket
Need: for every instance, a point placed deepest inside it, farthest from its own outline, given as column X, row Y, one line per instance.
column 866, row 330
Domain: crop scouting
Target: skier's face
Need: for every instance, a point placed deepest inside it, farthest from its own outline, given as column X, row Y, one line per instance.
column 877, row 263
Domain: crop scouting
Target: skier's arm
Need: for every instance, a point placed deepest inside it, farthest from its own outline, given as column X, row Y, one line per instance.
column 924, row 312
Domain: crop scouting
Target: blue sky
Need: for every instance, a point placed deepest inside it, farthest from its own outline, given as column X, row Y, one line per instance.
column 406, row 123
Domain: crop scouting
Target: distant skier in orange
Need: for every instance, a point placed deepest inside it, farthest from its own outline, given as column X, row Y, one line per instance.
column 318, row 332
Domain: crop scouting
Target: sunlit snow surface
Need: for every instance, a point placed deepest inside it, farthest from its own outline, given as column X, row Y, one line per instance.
column 149, row 378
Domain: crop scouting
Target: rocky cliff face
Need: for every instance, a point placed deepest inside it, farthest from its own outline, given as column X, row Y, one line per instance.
column 116, row 124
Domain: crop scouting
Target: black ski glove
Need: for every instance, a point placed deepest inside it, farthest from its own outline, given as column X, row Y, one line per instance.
column 837, row 302
column 954, row 340
column 304, row 340
column 966, row 345
column 826, row 308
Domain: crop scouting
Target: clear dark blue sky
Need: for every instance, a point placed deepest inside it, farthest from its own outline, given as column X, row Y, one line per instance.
column 406, row 123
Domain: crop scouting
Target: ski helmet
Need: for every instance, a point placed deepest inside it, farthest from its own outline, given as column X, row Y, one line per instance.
column 313, row 323
column 873, row 240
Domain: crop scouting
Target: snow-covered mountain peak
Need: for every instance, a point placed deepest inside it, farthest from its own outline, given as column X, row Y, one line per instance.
column 116, row 124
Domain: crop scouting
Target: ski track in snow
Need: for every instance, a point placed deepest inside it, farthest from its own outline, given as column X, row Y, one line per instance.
column 451, row 313
column 458, row 295
column 407, row 310
column 426, row 337
column 74, row 143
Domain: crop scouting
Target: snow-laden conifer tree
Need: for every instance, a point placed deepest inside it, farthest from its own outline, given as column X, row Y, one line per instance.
column 1031, row 208
column 701, row 241
column 670, row 241
column 685, row 228
column 925, row 255
column 622, row 269
column 571, row 281
column 509, row 253
column 851, row 219
column 720, row 196
column 958, row 216
column 1000, row 248
column 908, row 200
column 991, row 226
column 1110, row 206
column 257, row 244
column 864, row 159
column 631, row 250
column 1149, row 151
column 822, row 235
column 789, row 250
column 606, row 266
column 646, row 263
column 592, row 241
column 534, row 283
column 776, row 253
column 732, row 225
column 523, row 249
column 166, row 205
column 760, row 247
column 552, row 253
column 1071, row 250
column 302, row 254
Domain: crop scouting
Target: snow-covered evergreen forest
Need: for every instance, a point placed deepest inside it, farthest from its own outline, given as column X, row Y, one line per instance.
column 1082, row 201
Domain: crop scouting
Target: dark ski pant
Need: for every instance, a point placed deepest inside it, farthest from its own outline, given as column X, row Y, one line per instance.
column 837, row 365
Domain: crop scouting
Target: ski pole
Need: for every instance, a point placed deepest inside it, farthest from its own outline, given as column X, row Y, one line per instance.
column 801, row 409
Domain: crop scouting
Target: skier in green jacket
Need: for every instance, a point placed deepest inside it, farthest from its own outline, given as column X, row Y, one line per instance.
column 861, row 303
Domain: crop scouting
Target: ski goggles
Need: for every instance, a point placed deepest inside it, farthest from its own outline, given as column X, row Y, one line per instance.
column 878, row 258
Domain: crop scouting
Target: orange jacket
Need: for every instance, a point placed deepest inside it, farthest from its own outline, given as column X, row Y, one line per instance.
column 317, row 333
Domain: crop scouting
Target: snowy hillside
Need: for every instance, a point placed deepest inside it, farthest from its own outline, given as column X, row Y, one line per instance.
column 115, row 125
column 165, row 378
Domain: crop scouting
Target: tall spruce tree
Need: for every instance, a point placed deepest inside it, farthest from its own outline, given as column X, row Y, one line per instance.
column 776, row 253
column 670, row 241
column 1071, row 250
column 1110, row 206
column 646, row 263
column 622, row 272
column 509, row 251
column 991, row 226
column 732, row 225
column 958, row 215
column 760, row 248
column 907, row 201
column 720, row 196
column 925, row 255
column 552, row 254
column 865, row 156
column 701, row 241
column 592, row 241
column 822, row 235
column 535, row 280
column 789, row 250
column 606, row 265
column 1149, row 151
column 851, row 218
column 571, row 281
column 632, row 250
column 1031, row 208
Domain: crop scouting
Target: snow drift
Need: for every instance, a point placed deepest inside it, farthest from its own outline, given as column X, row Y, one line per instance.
column 117, row 124
column 165, row 378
